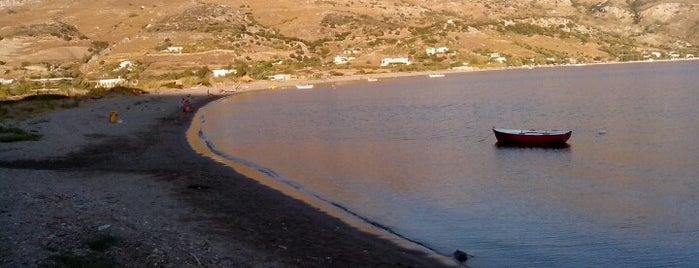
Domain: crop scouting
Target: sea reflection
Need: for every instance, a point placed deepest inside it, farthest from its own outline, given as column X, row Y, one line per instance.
column 419, row 157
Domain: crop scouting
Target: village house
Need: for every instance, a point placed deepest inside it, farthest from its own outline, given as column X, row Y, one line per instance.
column 110, row 83
column 280, row 77
column 174, row 49
column 389, row 61
column 342, row 59
column 495, row 57
column 4, row 81
column 125, row 64
column 439, row 50
column 222, row 72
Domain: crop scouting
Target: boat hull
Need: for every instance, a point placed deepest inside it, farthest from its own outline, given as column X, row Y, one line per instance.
column 532, row 137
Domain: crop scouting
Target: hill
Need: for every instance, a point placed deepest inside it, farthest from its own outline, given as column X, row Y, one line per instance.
column 88, row 40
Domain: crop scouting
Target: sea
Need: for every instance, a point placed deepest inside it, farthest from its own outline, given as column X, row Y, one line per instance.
column 416, row 157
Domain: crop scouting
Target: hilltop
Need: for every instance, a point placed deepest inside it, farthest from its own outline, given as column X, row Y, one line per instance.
column 183, row 40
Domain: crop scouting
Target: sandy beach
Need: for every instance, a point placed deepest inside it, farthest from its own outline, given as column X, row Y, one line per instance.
column 135, row 194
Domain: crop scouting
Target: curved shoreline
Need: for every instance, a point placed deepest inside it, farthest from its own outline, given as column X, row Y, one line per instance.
column 353, row 219
column 140, row 183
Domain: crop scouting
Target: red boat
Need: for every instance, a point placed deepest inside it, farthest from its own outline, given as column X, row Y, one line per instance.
column 532, row 137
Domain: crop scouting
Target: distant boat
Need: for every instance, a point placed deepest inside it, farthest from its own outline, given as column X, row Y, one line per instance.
column 304, row 86
column 436, row 75
column 372, row 79
column 532, row 137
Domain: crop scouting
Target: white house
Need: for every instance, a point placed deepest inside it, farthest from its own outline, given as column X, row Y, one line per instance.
column 389, row 61
column 222, row 72
column 674, row 55
column 440, row 50
column 278, row 77
column 656, row 54
column 499, row 59
column 341, row 59
column 109, row 83
column 175, row 49
column 125, row 64
column 4, row 81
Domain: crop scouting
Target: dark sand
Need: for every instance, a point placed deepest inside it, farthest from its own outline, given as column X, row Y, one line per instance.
column 158, row 203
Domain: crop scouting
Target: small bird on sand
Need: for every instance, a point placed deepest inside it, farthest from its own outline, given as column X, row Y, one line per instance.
column 460, row 256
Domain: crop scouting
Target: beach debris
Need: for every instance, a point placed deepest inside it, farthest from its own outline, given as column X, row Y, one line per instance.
column 461, row 256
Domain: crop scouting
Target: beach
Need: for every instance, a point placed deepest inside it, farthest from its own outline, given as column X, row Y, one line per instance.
column 133, row 193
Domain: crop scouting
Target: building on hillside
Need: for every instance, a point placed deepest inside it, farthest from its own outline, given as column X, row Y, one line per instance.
column 222, row 72
column 389, row 61
column 110, row 83
column 280, row 77
column 342, row 59
column 174, row 49
column 4, row 81
column 439, row 50
column 127, row 64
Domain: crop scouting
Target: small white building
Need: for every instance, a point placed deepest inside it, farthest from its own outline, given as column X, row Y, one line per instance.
column 656, row 54
column 389, row 61
column 173, row 49
column 109, row 83
column 439, row 50
column 4, row 81
column 499, row 59
column 280, row 77
column 341, row 60
column 222, row 72
column 127, row 64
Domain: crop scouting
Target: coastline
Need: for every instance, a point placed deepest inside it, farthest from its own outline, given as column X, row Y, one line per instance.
column 169, row 205
column 140, row 185
column 288, row 84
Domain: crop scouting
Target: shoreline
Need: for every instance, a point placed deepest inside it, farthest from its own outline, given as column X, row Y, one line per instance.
column 288, row 84
column 140, row 185
column 348, row 217
column 142, row 182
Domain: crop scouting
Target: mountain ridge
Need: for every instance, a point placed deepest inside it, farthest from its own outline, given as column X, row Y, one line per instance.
column 89, row 39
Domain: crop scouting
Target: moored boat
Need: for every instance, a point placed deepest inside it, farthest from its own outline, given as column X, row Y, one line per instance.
column 435, row 75
column 532, row 137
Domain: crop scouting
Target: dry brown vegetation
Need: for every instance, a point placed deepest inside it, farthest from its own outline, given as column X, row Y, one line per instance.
column 88, row 39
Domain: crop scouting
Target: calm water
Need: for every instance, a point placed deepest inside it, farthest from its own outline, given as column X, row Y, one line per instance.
column 417, row 156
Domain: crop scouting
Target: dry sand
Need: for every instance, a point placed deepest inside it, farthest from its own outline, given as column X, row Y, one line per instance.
column 138, row 187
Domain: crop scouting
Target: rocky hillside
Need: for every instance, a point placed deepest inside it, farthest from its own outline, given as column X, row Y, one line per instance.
column 173, row 39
